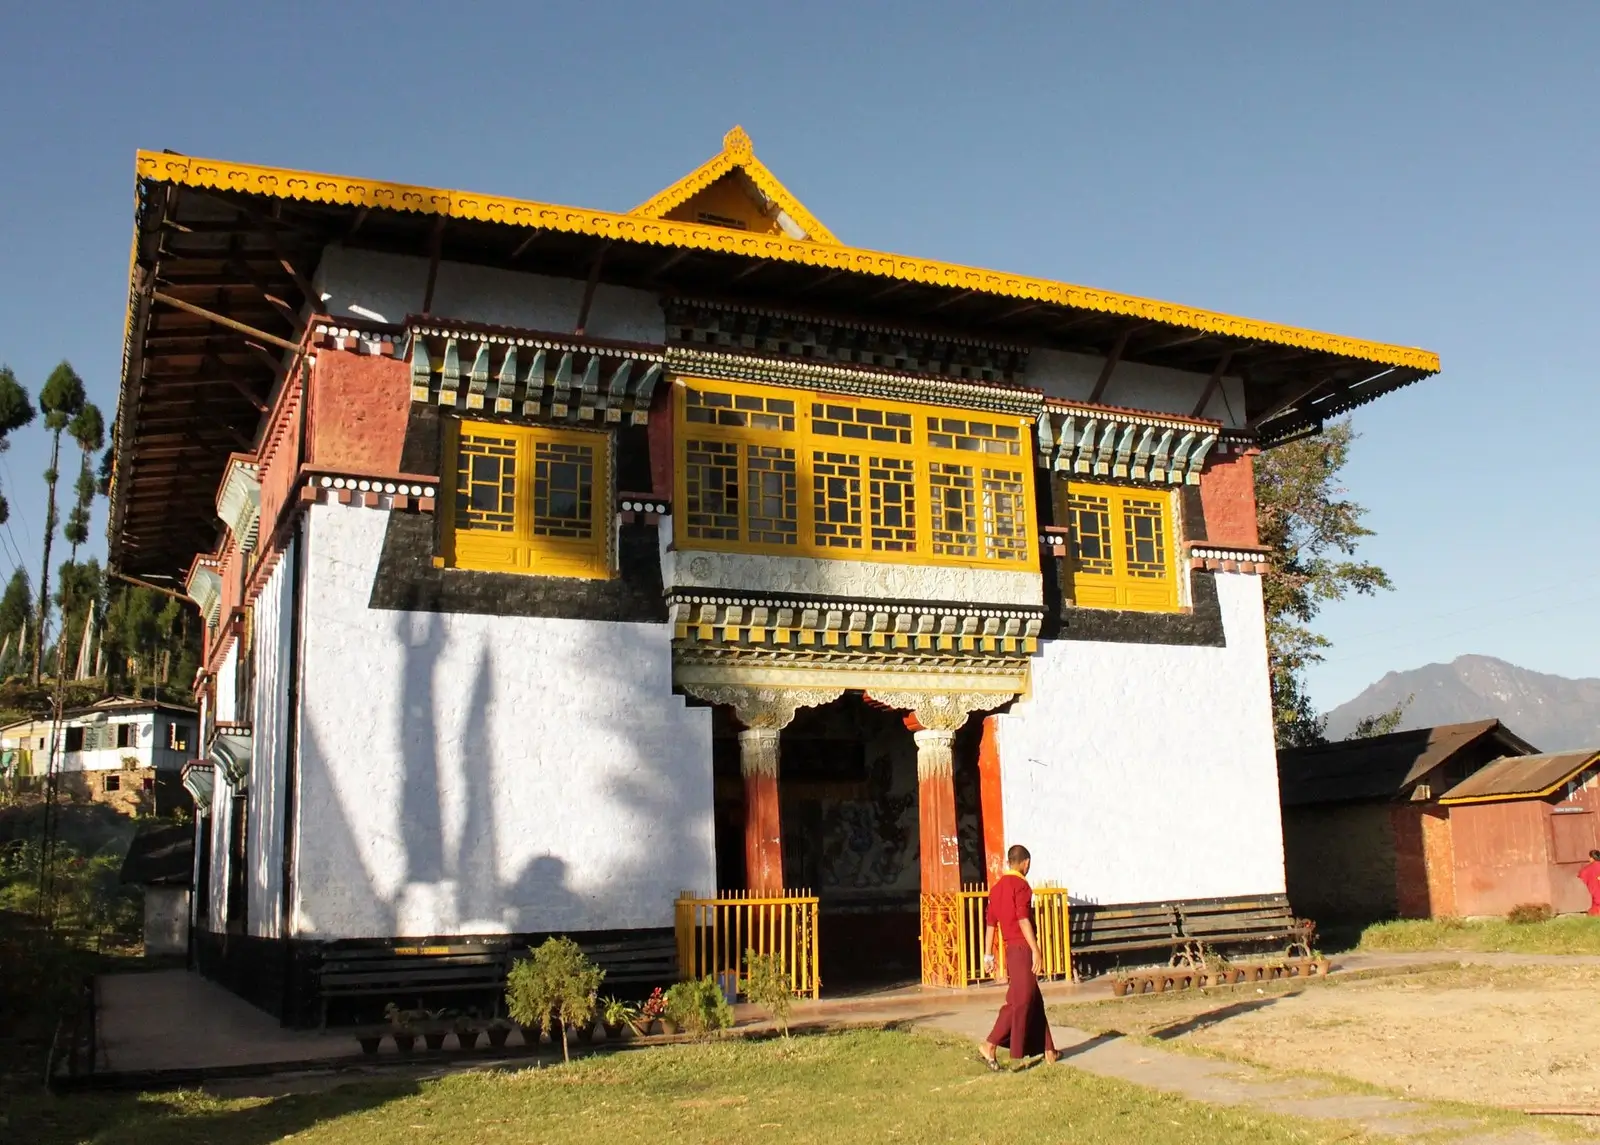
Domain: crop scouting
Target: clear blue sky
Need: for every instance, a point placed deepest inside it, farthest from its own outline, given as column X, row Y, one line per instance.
column 1423, row 173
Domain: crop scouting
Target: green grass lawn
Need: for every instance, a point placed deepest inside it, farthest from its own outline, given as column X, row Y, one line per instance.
column 851, row 1087
column 1569, row 934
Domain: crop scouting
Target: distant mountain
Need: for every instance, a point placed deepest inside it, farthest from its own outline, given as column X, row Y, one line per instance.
column 1551, row 712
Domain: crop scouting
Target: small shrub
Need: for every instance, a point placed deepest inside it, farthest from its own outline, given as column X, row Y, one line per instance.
column 699, row 1007
column 767, row 986
column 1530, row 912
column 556, row 983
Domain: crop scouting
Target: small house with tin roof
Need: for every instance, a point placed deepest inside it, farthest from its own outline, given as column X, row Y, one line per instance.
column 1360, row 818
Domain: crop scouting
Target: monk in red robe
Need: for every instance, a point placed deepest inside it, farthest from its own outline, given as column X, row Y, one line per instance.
column 1591, row 879
column 1022, row 1026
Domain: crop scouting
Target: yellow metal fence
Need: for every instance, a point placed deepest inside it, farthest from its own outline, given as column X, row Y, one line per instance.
column 714, row 933
column 952, row 936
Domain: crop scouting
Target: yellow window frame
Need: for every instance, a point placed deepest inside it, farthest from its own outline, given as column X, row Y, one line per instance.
column 524, row 543
column 1121, row 553
column 1001, row 503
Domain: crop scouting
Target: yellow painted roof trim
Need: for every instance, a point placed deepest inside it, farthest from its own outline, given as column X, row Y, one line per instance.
column 737, row 154
column 284, row 183
column 1507, row 796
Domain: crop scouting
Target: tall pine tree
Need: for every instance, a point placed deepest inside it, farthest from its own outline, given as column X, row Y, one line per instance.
column 62, row 400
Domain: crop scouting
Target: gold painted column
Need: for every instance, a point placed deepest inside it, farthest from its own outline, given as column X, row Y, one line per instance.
column 763, row 826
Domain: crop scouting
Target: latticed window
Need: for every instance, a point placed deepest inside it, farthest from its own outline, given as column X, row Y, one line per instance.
column 1121, row 548
column 893, row 493
column 1005, row 518
column 779, row 470
column 528, row 500
column 955, row 517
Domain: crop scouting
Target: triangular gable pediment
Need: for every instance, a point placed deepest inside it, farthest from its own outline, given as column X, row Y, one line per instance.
column 734, row 189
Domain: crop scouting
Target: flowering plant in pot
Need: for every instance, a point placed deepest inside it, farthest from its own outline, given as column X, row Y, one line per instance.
column 556, row 986
column 650, row 1013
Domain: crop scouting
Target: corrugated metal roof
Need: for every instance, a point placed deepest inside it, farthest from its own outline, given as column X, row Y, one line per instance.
column 1381, row 767
column 1521, row 777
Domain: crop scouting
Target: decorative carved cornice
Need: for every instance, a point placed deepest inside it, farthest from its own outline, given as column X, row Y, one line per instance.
column 763, row 708
column 938, row 711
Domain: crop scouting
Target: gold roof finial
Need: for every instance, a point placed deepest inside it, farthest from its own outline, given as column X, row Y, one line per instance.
column 737, row 143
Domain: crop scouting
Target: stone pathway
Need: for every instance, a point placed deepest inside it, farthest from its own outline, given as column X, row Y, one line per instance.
column 1230, row 1083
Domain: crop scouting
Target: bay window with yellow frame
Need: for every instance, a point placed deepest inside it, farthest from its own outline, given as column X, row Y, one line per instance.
column 527, row 499
column 1121, row 552
column 804, row 473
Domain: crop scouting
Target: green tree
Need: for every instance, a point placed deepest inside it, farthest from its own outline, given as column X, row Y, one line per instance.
column 61, row 399
column 1313, row 530
column 16, row 411
column 82, row 586
column 1383, row 723
column 16, row 615
column 133, row 634
column 88, row 429
column 556, row 984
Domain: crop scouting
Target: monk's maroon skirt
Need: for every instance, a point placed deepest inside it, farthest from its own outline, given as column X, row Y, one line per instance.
column 1022, row 1026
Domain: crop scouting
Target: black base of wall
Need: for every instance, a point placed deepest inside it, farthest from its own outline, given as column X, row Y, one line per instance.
column 280, row 976
column 272, row 974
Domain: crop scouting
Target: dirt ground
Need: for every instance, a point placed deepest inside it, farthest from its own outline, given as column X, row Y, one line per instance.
column 1515, row 1037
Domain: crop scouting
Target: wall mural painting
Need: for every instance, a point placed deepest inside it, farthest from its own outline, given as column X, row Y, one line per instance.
column 866, row 843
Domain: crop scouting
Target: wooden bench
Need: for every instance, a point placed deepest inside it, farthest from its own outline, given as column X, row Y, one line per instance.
column 409, row 974
column 1188, row 930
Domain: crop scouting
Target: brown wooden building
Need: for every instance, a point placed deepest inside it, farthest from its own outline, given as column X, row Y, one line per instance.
column 1519, row 830
column 1363, row 835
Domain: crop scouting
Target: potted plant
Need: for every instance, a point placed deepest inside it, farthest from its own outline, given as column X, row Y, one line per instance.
column 497, row 1031
column 435, row 1033
column 405, row 1037
column 644, row 1022
column 698, row 1007
column 556, row 985
column 466, row 1032
column 767, row 986
column 369, row 1041
column 615, row 1016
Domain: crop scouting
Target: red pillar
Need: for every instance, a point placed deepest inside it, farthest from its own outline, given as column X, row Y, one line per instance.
column 936, row 813
column 763, row 827
column 993, row 814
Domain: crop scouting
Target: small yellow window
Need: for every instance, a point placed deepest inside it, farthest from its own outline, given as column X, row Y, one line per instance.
column 527, row 500
column 1121, row 554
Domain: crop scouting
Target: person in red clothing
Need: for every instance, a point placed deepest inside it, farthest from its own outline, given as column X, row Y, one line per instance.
column 1021, row 1025
column 1591, row 879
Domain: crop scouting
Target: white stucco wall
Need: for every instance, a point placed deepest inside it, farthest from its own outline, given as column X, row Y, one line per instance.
column 466, row 774
column 1140, row 772
column 387, row 287
column 1134, row 386
column 269, row 724
column 219, row 822
column 227, row 680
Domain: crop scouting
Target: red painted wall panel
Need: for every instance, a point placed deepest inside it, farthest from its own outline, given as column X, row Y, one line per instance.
column 1228, row 496
column 359, row 406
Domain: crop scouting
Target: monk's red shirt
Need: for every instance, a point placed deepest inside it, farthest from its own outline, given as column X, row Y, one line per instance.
column 1010, row 901
column 1591, row 879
